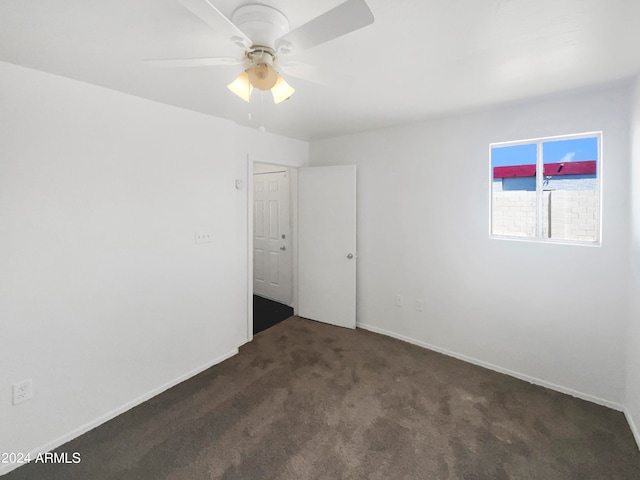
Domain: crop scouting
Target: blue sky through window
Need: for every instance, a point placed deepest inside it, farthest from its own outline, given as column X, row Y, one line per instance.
column 576, row 150
column 513, row 155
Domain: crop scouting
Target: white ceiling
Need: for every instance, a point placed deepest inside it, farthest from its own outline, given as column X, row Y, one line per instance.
column 419, row 59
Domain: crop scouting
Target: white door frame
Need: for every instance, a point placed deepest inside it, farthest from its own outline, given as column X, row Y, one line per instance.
column 293, row 213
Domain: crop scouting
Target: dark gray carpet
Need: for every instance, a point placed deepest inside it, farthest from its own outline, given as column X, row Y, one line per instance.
column 310, row 401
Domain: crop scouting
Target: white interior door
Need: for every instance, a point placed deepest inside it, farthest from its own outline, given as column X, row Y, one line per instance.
column 327, row 244
column 272, row 274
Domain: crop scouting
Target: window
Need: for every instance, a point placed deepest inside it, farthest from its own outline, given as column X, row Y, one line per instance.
column 547, row 188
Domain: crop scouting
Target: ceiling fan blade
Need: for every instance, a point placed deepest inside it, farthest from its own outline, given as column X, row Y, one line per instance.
column 193, row 62
column 314, row 74
column 213, row 17
column 346, row 17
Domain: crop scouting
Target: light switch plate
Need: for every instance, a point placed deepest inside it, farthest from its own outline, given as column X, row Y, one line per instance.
column 204, row 237
column 22, row 391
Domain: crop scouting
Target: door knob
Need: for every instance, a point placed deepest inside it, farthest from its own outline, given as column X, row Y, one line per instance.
column 350, row 256
column 283, row 247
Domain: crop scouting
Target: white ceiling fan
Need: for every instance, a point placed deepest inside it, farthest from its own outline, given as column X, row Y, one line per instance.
column 264, row 33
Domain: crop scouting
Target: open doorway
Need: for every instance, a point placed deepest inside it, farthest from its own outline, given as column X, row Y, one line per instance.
column 272, row 245
column 321, row 213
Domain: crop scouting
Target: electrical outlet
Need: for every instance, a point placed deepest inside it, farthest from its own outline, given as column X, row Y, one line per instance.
column 419, row 304
column 22, row 391
column 398, row 300
column 204, row 237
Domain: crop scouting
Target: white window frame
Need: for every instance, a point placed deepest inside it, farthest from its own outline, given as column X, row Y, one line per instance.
column 539, row 188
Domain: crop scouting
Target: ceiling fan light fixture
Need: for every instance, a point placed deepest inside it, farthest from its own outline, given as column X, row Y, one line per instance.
column 281, row 90
column 242, row 87
column 263, row 76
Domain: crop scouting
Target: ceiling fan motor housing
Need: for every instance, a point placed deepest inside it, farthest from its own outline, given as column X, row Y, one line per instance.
column 262, row 24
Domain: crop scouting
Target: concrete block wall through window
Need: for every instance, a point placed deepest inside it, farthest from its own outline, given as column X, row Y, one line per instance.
column 547, row 189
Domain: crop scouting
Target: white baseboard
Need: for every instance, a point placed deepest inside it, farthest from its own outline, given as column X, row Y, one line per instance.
column 6, row 468
column 633, row 426
column 496, row 368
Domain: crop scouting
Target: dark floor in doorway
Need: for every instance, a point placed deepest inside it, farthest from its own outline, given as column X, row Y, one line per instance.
column 267, row 313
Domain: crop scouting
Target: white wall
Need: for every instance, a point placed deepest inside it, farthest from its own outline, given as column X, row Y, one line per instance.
column 554, row 314
column 633, row 338
column 105, row 299
column 270, row 148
